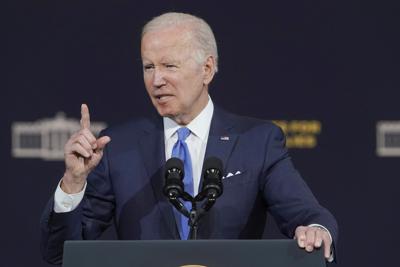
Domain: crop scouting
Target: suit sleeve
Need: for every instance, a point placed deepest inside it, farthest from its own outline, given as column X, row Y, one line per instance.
column 289, row 199
column 92, row 216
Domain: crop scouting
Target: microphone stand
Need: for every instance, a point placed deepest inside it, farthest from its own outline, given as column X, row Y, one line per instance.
column 193, row 221
column 195, row 214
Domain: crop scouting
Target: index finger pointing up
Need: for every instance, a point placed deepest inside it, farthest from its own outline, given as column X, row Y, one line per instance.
column 85, row 117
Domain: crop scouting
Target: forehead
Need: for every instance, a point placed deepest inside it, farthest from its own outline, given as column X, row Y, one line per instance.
column 172, row 40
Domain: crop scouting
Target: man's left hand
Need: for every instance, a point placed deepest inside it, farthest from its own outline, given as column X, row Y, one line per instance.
column 310, row 237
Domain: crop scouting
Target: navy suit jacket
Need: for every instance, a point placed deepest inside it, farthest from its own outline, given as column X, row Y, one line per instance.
column 126, row 187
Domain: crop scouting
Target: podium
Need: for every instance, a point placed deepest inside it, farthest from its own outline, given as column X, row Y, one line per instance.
column 177, row 253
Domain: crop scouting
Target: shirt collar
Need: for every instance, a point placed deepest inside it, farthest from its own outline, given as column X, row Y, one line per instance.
column 199, row 126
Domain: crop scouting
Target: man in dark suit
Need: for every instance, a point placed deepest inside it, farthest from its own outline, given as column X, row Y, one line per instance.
column 123, row 180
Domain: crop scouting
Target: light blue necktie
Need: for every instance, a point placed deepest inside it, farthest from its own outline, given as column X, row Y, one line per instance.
column 180, row 150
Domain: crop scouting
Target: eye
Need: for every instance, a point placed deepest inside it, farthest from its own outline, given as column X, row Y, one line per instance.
column 148, row 67
column 170, row 66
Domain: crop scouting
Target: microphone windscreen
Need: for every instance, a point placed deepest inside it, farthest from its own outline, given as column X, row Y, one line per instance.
column 213, row 163
column 174, row 163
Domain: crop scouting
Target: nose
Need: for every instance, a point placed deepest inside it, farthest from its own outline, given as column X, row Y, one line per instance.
column 158, row 78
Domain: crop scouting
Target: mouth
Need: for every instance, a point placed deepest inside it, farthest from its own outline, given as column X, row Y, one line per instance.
column 163, row 98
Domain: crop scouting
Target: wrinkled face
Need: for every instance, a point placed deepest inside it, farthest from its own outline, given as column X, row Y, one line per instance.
column 176, row 83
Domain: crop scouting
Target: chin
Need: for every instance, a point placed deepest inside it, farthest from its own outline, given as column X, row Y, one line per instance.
column 164, row 112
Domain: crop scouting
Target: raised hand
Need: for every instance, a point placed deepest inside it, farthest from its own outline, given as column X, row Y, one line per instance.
column 82, row 154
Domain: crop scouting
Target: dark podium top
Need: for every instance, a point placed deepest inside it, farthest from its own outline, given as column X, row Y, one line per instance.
column 175, row 253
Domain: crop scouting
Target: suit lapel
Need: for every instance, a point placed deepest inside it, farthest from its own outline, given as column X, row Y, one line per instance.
column 221, row 139
column 152, row 148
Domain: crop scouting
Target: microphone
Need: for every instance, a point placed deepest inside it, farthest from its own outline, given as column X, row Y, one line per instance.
column 174, row 174
column 212, row 182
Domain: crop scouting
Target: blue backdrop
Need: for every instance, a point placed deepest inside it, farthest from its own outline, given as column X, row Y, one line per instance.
column 327, row 70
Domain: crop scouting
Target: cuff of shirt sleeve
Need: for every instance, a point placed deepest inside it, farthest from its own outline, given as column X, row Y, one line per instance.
column 64, row 202
column 331, row 258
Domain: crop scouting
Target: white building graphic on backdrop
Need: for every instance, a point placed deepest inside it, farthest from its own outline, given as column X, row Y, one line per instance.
column 45, row 138
column 388, row 138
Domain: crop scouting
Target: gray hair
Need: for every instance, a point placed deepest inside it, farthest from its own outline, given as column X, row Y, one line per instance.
column 200, row 31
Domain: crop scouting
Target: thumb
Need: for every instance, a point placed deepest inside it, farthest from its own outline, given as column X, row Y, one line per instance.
column 102, row 142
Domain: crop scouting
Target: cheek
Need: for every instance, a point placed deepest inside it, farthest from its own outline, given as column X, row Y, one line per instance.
column 147, row 80
column 147, row 84
column 192, row 85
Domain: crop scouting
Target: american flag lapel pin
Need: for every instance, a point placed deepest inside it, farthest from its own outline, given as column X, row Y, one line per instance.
column 224, row 138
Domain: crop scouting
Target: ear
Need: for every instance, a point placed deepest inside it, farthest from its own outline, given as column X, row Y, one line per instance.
column 209, row 70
